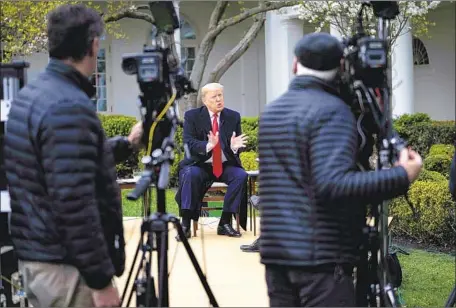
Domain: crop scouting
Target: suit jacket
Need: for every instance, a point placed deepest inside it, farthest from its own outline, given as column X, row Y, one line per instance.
column 453, row 177
column 197, row 125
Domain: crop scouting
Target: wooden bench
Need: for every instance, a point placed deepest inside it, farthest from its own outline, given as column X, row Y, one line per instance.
column 220, row 188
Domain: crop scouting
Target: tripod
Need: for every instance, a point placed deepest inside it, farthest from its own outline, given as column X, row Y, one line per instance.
column 451, row 299
column 374, row 285
column 156, row 229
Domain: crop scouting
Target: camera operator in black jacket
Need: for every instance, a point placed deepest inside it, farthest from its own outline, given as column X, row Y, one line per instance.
column 66, row 220
column 313, row 197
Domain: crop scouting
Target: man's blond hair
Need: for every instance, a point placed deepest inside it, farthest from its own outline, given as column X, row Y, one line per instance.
column 210, row 87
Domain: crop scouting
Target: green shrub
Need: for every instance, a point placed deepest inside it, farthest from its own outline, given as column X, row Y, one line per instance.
column 407, row 120
column 421, row 132
column 119, row 125
column 248, row 160
column 442, row 149
column 439, row 163
column 431, row 176
column 422, row 136
column 250, row 128
column 179, row 154
column 436, row 214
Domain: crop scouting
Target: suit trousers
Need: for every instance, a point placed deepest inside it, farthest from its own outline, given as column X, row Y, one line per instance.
column 54, row 285
column 328, row 286
column 195, row 180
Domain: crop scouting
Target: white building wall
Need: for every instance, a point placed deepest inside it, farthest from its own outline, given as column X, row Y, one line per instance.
column 245, row 81
column 435, row 83
column 264, row 71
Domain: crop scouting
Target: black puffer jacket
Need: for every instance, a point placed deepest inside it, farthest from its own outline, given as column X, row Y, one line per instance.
column 65, row 201
column 312, row 196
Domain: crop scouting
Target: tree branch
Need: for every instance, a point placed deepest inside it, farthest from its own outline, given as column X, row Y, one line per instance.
column 265, row 7
column 234, row 54
column 217, row 13
column 130, row 14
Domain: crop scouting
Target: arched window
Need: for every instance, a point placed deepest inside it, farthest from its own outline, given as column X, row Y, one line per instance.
column 188, row 44
column 420, row 55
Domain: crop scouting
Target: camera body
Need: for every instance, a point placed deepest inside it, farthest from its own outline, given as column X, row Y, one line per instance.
column 365, row 85
column 160, row 78
column 369, row 61
column 148, row 66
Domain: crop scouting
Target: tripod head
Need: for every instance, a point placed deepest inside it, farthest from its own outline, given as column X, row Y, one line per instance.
column 161, row 81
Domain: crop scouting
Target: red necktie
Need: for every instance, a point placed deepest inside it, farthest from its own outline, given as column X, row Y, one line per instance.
column 217, row 151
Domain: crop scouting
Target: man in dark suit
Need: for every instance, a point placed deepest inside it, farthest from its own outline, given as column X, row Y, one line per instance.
column 213, row 136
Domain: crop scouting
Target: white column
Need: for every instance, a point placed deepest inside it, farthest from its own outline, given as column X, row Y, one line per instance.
column 177, row 37
column 402, row 74
column 334, row 31
column 281, row 36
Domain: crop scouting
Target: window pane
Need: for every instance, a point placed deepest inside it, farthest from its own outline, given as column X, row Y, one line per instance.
column 186, row 31
column 102, row 105
column 101, row 54
column 189, row 64
column 101, row 80
column 191, row 52
column 102, row 93
column 101, row 67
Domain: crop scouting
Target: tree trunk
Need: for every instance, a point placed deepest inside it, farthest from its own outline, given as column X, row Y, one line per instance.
column 216, row 27
column 204, row 50
column 234, row 54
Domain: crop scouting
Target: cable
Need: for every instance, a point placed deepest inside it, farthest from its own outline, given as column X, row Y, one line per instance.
column 160, row 116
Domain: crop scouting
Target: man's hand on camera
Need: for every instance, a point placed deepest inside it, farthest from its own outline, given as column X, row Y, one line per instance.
column 107, row 297
column 412, row 162
column 212, row 141
column 135, row 135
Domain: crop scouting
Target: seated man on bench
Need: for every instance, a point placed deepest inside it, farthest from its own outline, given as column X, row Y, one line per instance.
column 213, row 136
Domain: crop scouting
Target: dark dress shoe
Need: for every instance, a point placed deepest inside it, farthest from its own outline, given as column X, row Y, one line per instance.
column 254, row 247
column 187, row 232
column 228, row 230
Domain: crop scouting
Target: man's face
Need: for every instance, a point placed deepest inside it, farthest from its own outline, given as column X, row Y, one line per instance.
column 213, row 99
column 93, row 54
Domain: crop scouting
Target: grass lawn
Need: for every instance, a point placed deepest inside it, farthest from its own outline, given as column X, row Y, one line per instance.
column 428, row 278
column 134, row 208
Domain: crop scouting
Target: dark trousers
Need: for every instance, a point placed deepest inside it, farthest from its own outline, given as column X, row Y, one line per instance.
column 195, row 180
column 331, row 286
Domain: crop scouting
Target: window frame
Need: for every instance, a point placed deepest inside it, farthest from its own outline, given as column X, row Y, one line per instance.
column 104, row 44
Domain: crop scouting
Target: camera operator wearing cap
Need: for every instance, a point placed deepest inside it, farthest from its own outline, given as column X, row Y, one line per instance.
column 313, row 196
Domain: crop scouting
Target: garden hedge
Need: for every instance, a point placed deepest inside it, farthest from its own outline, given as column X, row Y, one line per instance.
column 434, row 140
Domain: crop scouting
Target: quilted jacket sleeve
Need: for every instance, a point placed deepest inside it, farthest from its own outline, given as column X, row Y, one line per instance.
column 71, row 146
column 332, row 154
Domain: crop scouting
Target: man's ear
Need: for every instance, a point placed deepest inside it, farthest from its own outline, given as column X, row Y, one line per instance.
column 95, row 46
column 294, row 67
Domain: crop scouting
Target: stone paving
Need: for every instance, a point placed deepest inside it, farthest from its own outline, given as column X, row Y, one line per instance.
column 235, row 277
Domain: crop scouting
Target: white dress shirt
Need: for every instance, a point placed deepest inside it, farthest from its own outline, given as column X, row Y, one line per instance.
column 209, row 147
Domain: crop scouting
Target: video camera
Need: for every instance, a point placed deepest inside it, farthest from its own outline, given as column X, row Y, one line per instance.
column 161, row 80
column 366, row 85
column 366, row 88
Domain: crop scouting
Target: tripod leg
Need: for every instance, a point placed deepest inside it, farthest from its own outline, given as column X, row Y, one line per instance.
column 162, row 251
column 197, row 267
column 124, row 293
column 362, row 282
column 451, row 299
